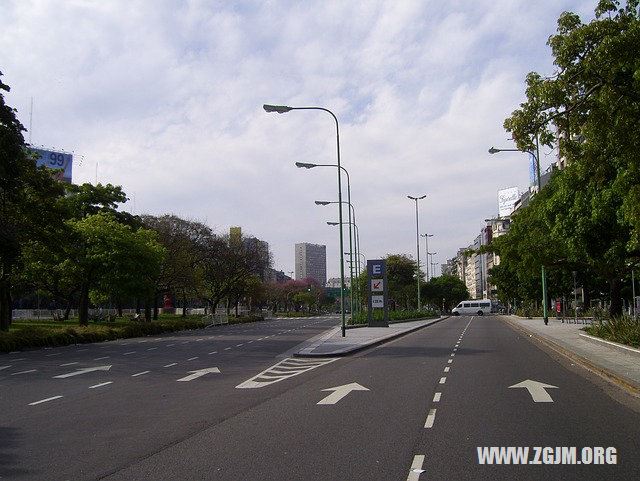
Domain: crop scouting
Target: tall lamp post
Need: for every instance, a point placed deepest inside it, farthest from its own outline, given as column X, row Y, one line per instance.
column 426, row 249
column 536, row 156
column 308, row 165
column 416, row 199
column 354, row 292
column 432, row 263
column 281, row 109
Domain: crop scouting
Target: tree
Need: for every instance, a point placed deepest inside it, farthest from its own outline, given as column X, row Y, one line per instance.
column 401, row 271
column 445, row 291
column 590, row 110
column 26, row 192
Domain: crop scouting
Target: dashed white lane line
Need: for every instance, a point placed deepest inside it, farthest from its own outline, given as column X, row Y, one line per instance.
column 416, row 468
column 172, row 364
column 68, row 364
column 443, row 380
column 446, row 369
column 436, row 397
column 82, row 350
column 101, row 358
column 101, row 384
column 23, row 372
column 192, row 358
column 431, row 417
column 4, row 367
column 453, row 354
column 45, row 400
column 238, row 345
column 170, row 345
column 129, row 353
column 54, row 354
column 450, row 361
column 227, row 348
column 140, row 373
column 152, row 349
column 213, row 352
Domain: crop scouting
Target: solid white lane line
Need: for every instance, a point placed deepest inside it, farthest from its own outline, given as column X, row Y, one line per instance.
column 443, row 380
column 436, row 397
column 101, row 384
column 140, row 373
column 431, row 417
column 23, row 372
column 44, row 400
column 416, row 468
column 68, row 364
column 172, row 364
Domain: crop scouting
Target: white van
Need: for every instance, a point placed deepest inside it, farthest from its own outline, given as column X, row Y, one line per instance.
column 473, row 307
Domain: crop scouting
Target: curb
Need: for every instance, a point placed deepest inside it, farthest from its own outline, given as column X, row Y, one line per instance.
column 612, row 345
column 374, row 342
column 631, row 385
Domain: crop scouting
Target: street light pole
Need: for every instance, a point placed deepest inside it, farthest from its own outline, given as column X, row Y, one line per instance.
column 416, row 199
column 281, row 109
column 426, row 248
column 536, row 156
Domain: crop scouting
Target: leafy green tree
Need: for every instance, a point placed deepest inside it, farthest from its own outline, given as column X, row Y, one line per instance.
column 445, row 291
column 26, row 192
column 401, row 272
column 590, row 110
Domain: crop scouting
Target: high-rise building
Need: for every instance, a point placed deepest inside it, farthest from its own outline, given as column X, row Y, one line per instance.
column 311, row 261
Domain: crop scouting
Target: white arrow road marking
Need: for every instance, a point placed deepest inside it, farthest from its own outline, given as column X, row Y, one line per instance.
column 416, row 468
column 537, row 390
column 199, row 373
column 82, row 371
column 340, row 392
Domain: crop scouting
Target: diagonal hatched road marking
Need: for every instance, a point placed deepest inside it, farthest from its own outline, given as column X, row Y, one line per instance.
column 285, row 369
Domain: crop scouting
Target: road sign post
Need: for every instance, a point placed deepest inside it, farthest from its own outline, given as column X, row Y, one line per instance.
column 377, row 287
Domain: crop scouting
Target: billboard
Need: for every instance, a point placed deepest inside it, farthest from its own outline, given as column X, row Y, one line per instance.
column 506, row 200
column 533, row 174
column 54, row 160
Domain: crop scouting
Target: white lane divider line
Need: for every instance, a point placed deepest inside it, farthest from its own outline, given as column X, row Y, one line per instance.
column 5, row 367
column 68, row 364
column 172, row 364
column 140, row 373
column 55, row 354
column 443, row 380
column 453, row 354
column 152, row 349
column 285, row 369
column 227, row 348
column 101, row 358
column 238, row 345
column 450, row 361
column 129, row 353
column 101, row 384
column 446, row 369
column 170, row 345
column 45, row 400
column 416, row 468
column 23, row 372
column 436, row 397
column 431, row 417
column 192, row 358
column 213, row 352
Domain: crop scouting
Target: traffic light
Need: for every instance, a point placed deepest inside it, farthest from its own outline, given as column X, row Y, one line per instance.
column 308, row 287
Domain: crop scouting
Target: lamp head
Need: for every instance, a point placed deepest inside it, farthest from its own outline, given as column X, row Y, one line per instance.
column 322, row 202
column 305, row 165
column 281, row 109
column 333, row 223
column 493, row 150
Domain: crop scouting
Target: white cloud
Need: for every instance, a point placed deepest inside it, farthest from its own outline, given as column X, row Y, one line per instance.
column 166, row 97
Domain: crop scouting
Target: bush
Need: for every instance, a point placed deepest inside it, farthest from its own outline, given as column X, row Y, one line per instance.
column 624, row 330
column 394, row 316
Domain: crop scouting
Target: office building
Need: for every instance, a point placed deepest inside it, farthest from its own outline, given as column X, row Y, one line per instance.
column 311, row 261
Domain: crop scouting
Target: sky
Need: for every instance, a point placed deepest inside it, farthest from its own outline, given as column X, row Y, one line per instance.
column 164, row 98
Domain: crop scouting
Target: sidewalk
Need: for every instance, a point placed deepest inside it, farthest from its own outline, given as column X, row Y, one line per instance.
column 331, row 343
column 614, row 361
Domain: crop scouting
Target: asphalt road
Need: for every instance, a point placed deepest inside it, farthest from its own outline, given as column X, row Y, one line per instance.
column 416, row 408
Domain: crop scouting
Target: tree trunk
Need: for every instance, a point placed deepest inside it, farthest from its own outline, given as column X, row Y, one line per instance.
column 147, row 310
column 155, row 307
column 616, row 299
column 67, row 311
column 184, row 303
column 83, row 307
column 5, row 303
column 119, row 307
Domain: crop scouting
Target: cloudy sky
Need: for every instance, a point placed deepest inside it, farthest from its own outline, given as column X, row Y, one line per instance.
column 164, row 97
